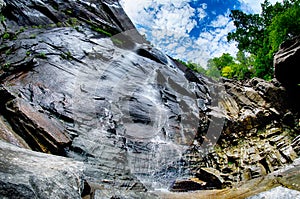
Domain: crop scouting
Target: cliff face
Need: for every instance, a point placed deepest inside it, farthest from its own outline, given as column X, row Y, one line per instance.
column 78, row 81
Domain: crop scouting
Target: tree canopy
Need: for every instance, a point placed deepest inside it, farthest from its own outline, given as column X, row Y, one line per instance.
column 261, row 34
column 258, row 37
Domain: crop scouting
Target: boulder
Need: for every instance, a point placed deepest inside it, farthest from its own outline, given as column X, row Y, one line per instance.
column 191, row 184
column 28, row 174
column 212, row 177
column 286, row 63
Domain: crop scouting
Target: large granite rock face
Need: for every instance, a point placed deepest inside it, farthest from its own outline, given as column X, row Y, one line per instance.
column 77, row 80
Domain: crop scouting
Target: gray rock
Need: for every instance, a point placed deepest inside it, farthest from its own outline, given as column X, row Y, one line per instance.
column 2, row 4
column 28, row 174
column 97, row 99
column 277, row 193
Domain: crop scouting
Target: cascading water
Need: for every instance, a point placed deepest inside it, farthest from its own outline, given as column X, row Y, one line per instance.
column 151, row 167
column 147, row 108
column 160, row 118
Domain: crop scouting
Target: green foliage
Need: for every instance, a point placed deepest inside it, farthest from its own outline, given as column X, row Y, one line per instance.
column 22, row 29
column 8, row 51
column 193, row 66
column 2, row 18
column 227, row 72
column 59, row 24
column 69, row 11
column 219, row 62
column 69, row 55
column 66, row 55
column 32, row 36
column 100, row 30
column 117, row 41
column 284, row 26
column 6, row 35
column 77, row 28
column 6, row 66
column 230, row 67
column 225, row 66
column 230, row 163
column 73, row 22
column 41, row 55
column 213, row 71
column 261, row 34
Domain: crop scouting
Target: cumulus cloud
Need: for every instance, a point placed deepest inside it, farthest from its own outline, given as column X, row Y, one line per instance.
column 168, row 25
column 254, row 6
column 201, row 11
column 214, row 43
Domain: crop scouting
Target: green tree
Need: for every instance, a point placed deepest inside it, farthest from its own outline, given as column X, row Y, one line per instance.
column 261, row 34
column 213, row 71
column 220, row 62
column 227, row 72
column 284, row 26
column 193, row 66
column 244, row 65
column 230, row 67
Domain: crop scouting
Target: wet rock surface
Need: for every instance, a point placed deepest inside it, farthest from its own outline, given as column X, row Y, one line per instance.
column 77, row 80
column 71, row 90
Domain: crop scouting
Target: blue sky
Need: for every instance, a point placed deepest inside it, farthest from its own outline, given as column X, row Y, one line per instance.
column 192, row 30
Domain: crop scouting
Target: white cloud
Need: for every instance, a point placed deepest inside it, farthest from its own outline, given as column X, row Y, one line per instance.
column 135, row 9
column 254, row 5
column 214, row 43
column 220, row 21
column 167, row 15
column 170, row 22
column 204, row 5
column 175, row 19
column 201, row 11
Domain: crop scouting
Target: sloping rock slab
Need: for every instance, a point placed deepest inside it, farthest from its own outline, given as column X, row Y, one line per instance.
column 28, row 174
column 43, row 133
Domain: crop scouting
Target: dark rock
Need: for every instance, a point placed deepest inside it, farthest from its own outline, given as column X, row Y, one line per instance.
column 188, row 185
column 40, row 132
column 8, row 135
column 286, row 62
column 72, row 90
column 206, row 179
column 212, row 177
column 296, row 144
